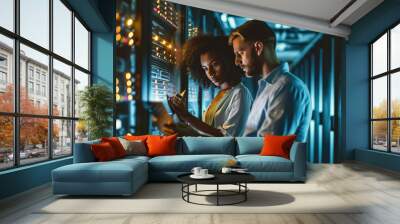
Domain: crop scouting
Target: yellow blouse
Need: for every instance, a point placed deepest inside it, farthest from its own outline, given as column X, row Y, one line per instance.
column 212, row 109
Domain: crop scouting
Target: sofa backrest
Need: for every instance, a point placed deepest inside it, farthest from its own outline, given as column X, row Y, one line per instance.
column 206, row 145
column 83, row 152
column 190, row 146
column 249, row 145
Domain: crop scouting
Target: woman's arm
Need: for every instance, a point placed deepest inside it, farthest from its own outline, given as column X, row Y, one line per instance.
column 179, row 108
column 202, row 127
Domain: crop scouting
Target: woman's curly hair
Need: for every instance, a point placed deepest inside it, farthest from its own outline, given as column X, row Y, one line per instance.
column 217, row 46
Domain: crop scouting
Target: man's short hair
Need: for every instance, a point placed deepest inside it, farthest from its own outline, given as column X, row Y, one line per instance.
column 254, row 30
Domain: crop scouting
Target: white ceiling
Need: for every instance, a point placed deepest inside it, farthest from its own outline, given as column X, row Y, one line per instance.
column 315, row 15
column 321, row 9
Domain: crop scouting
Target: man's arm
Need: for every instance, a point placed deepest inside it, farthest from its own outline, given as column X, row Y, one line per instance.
column 283, row 112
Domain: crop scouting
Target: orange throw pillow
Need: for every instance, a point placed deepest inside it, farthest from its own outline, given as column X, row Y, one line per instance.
column 161, row 145
column 116, row 145
column 136, row 137
column 103, row 152
column 277, row 145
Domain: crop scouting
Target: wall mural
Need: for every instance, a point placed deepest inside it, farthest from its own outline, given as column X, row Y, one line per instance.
column 192, row 72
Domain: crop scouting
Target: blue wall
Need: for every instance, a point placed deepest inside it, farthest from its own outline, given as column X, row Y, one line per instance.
column 102, row 58
column 24, row 178
column 98, row 15
column 357, row 83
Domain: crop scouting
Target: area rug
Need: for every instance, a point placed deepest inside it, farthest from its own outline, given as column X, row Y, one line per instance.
column 167, row 198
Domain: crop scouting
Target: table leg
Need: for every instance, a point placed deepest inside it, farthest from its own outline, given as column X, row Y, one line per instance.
column 182, row 188
column 217, row 194
column 245, row 193
column 188, row 189
column 196, row 188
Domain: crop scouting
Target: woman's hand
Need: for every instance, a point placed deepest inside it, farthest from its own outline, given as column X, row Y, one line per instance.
column 178, row 106
column 169, row 129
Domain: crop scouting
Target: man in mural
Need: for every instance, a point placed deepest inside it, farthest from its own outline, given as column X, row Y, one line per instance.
column 282, row 104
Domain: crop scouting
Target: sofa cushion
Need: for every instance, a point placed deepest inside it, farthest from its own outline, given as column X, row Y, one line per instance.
column 161, row 145
column 103, row 152
column 83, row 152
column 136, row 147
column 116, row 145
column 207, row 145
column 135, row 137
column 131, row 158
column 257, row 163
column 277, row 145
column 111, row 171
column 249, row 145
column 185, row 163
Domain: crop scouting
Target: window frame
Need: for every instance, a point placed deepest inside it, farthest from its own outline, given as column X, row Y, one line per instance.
column 16, row 115
column 388, row 74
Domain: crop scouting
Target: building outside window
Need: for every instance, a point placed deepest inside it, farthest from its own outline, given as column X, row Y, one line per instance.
column 30, row 72
column 43, row 77
column 30, row 87
column 385, row 95
column 37, row 75
column 3, row 78
column 3, row 72
column 43, row 90
column 38, row 89
column 3, row 61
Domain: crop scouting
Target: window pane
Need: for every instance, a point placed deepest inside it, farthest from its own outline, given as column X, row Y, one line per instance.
column 81, row 131
column 395, row 47
column 33, row 139
column 34, row 72
column 379, row 55
column 81, row 81
column 81, row 45
column 6, row 142
column 379, row 97
column 62, row 89
column 395, row 129
column 7, row 14
column 62, row 138
column 379, row 135
column 395, row 94
column 62, row 29
column 35, row 21
column 6, row 74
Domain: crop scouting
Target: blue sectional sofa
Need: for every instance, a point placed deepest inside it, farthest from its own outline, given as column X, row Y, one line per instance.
column 125, row 176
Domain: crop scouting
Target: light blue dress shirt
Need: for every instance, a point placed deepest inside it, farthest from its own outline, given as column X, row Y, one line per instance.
column 281, row 107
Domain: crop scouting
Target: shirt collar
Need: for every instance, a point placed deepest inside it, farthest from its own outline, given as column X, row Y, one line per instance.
column 280, row 69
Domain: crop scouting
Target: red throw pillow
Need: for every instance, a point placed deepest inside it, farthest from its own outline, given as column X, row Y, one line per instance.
column 116, row 145
column 161, row 145
column 136, row 137
column 277, row 145
column 103, row 152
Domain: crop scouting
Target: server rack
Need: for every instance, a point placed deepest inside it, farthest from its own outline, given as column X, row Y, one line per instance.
column 192, row 29
column 127, row 77
column 149, row 35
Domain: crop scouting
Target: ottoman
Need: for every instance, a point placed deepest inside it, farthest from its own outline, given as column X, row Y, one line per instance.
column 118, row 177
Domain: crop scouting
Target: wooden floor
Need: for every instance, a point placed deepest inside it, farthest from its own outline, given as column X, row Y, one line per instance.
column 377, row 188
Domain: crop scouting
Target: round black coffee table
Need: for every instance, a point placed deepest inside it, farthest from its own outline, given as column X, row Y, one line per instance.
column 238, row 179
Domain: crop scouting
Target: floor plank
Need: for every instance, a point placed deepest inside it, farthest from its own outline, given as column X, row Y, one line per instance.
column 377, row 190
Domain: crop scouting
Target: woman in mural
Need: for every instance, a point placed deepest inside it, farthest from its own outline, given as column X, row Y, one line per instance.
column 210, row 60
